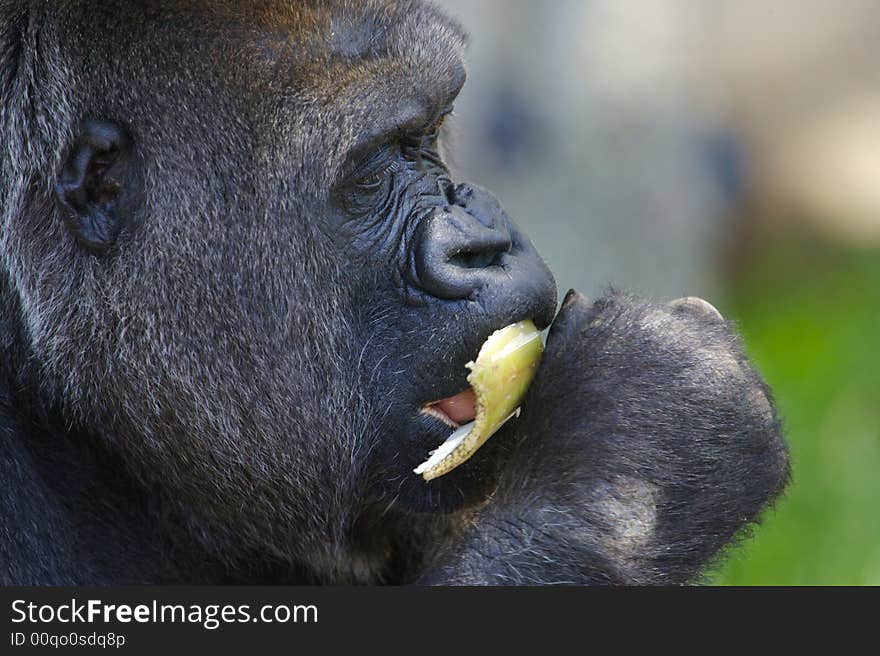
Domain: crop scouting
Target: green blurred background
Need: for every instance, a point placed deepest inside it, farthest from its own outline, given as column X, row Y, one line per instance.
column 810, row 315
column 726, row 150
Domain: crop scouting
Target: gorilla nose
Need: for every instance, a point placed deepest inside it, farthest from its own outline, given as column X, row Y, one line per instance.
column 457, row 251
column 471, row 250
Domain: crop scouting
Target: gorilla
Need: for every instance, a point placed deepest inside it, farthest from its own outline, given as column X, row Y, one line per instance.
column 236, row 276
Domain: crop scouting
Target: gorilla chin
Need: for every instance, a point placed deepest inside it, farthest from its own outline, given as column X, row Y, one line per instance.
column 469, row 484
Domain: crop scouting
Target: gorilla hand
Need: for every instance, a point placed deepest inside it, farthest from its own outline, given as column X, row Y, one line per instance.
column 646, row 442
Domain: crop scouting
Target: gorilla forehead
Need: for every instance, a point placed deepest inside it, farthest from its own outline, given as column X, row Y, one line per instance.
column 360, row 30
column 360, row 68
column 309, row 42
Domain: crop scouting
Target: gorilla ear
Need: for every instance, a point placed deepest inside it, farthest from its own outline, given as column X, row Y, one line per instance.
column 92, row 181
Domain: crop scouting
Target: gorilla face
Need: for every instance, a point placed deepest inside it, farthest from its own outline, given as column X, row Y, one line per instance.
column 241, row 260
column 432, row 267
column 438, row 267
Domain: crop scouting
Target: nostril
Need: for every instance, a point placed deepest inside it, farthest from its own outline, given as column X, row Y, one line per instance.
column 478, row 259
column 473, row 245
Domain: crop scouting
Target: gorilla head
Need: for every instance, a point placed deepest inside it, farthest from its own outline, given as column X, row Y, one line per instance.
column 234, row 253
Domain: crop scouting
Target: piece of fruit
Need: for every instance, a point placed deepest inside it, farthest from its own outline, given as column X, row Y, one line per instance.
column 499, row 377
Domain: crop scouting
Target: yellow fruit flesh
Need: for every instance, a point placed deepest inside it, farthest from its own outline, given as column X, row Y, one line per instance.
column 499, row 376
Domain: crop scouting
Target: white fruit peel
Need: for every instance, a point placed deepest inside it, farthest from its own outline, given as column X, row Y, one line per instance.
column 500, row 376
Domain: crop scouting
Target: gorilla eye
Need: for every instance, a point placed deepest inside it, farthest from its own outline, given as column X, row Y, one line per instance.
column 371, row 183
column 374, row 180
column 421, row 147
column 370, row 172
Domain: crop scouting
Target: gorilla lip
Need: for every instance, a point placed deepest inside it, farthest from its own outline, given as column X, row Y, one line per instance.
column 499, row 378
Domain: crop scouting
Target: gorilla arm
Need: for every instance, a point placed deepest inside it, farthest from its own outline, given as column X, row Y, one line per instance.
column 646, row 443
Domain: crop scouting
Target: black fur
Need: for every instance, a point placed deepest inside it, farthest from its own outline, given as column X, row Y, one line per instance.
column 233, row 267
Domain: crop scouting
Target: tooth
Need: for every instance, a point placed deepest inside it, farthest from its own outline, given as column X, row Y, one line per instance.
column 500, row 376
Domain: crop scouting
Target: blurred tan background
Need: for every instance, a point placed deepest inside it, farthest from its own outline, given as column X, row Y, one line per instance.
column 724, row 149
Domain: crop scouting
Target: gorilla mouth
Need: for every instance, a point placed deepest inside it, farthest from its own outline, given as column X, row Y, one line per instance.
column 499, row 378
column 454, row 410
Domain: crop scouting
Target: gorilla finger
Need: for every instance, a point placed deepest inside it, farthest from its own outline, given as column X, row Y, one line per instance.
column 696, row 305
